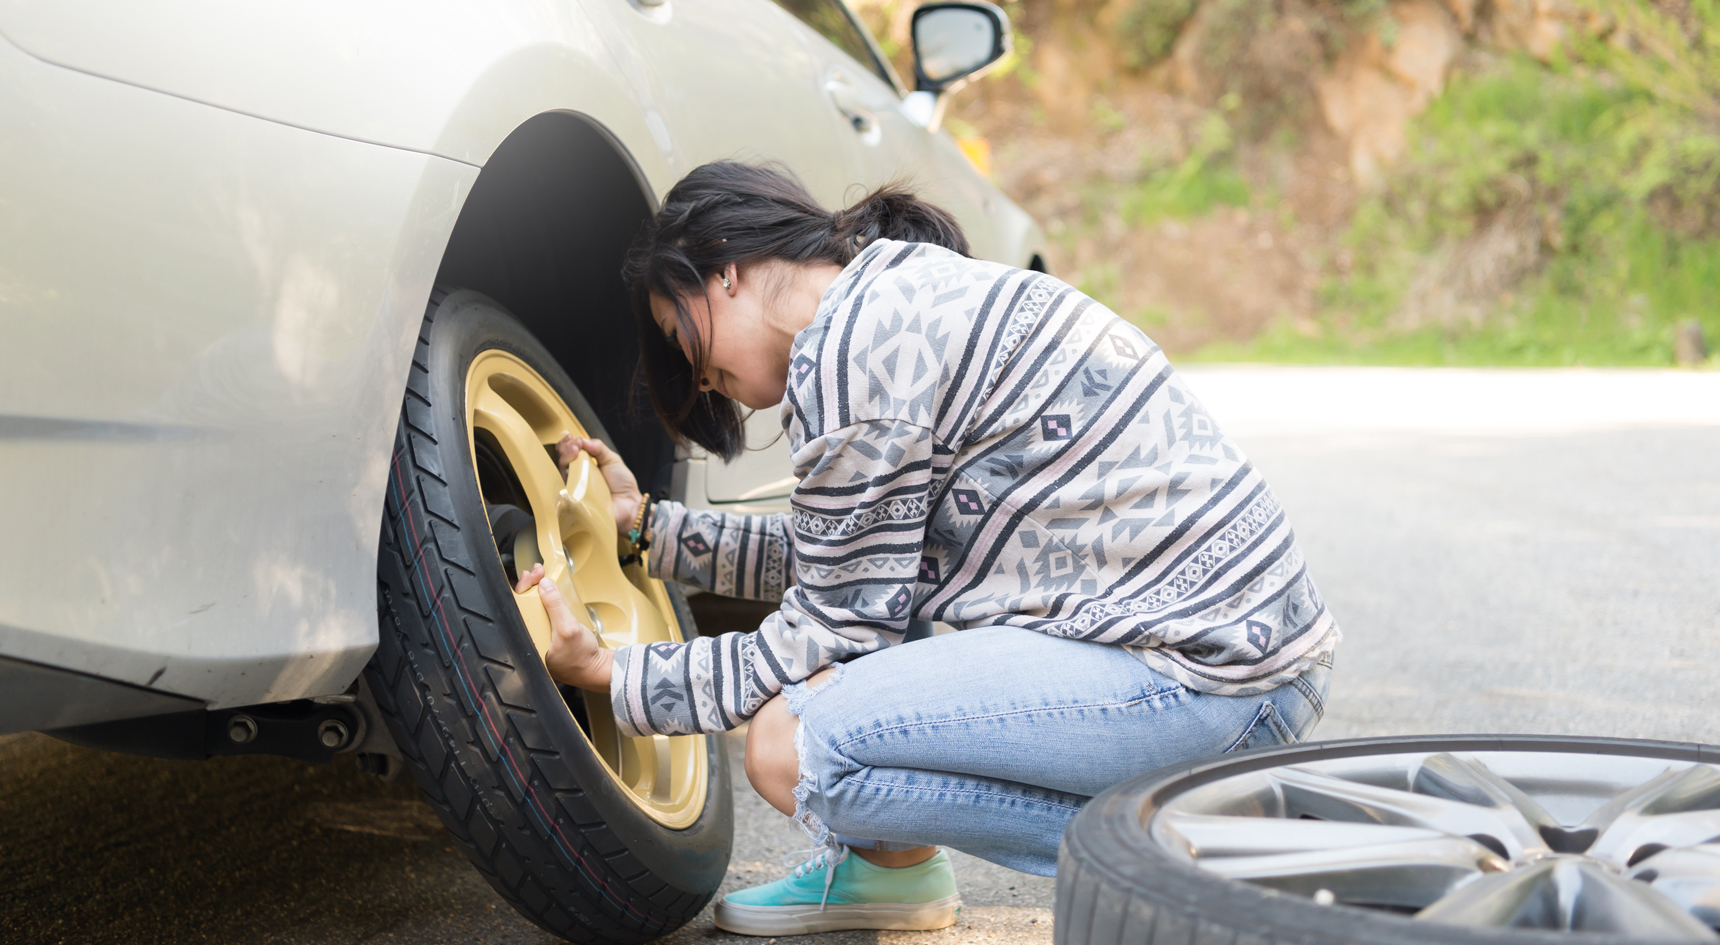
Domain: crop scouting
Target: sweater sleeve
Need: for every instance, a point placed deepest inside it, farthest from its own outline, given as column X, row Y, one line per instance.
column 733, row 555
column 859, row 517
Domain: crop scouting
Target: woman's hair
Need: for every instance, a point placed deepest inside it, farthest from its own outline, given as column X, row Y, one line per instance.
column 728, row 212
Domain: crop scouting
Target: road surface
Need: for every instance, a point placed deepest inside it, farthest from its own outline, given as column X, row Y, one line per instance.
column 1506, row 551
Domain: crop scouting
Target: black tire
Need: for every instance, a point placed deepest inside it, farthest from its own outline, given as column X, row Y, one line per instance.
column 1115, row 884
column 489, row 736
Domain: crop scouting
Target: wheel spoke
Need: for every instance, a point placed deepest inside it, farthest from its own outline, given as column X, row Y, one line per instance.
column 537, row 473
column 622, row 612
column 1689, row 877
column 1570, row 895
column 1328, row 798
column 1697, row 788
column 1472, row 839
column 1676, row 809
column 1610, row 903
column 573, row 534
column 1468, row 780
column 1633, row 837
column 1499, row 900
column 1634, row 798
column 1408, row 873
column 584, row 510
column 639, row 765
column 542, row 483
column 579, row 552
column 1203, row 836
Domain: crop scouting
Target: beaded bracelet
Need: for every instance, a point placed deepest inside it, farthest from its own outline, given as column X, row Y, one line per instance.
column 636, row 534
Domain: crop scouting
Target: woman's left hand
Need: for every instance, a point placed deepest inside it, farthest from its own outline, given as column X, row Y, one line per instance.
column 575, row 656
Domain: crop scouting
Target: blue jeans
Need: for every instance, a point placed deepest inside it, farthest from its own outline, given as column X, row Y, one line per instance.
column 990, row 740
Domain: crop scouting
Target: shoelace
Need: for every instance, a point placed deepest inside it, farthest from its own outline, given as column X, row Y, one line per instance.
column 826, row 858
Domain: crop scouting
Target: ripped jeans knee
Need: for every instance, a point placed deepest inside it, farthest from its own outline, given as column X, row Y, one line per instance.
column 821, row 766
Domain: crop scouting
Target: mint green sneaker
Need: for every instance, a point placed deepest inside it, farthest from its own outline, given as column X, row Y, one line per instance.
column 849, row 893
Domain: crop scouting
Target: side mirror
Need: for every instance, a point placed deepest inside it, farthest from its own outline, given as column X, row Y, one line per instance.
column 954, row 43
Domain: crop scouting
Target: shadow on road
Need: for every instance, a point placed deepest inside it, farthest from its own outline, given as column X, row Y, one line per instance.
column 101, row 847
column 97, row 847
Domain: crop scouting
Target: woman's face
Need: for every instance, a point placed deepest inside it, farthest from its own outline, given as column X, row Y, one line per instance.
column 746, row 351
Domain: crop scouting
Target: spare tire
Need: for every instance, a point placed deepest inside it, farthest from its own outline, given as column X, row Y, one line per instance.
column 1401, row 841
column 592, row 836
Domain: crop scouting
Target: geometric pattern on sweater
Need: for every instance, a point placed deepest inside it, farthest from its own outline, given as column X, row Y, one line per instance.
column 910, row 509
column 733, row 555
column 984, row 446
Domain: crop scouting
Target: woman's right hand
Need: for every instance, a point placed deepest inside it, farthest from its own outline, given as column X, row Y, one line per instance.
column 575, row 656
column 623, row 487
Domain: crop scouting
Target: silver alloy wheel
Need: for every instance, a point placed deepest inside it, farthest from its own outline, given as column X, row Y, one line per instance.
column 1557, row 840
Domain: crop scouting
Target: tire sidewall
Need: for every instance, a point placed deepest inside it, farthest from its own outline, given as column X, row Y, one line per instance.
column 694, row 858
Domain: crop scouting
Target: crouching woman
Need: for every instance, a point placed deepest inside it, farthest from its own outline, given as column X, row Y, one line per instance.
column 978, row 445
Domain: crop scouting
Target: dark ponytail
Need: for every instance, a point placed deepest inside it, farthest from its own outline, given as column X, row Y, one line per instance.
column 728, row 212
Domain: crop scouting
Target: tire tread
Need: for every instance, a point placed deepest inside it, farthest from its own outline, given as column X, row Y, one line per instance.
column 460, row 714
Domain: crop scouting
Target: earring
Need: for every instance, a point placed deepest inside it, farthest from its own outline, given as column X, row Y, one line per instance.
column 725, row 282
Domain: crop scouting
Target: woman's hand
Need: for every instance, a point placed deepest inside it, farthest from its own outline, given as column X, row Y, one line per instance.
column 575, row 658
column 623, row 488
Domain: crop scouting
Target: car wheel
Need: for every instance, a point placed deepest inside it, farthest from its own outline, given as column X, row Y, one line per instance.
column 593, row 836
column 1435, row 839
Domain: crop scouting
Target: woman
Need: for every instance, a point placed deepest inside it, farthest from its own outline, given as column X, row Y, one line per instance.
column 978, row 445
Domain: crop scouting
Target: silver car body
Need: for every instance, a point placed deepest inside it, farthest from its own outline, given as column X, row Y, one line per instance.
column 220, row 226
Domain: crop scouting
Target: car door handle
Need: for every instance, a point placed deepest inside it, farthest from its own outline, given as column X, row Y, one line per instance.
column 847, row 100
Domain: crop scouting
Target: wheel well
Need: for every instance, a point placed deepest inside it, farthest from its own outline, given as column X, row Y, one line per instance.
column 544, row 232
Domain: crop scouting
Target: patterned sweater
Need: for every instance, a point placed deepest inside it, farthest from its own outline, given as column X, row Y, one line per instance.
column 984, row 446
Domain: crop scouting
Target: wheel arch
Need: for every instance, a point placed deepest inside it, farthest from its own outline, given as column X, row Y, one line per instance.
column 544, row 232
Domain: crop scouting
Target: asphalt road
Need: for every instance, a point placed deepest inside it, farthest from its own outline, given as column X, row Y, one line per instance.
column 1505, row 552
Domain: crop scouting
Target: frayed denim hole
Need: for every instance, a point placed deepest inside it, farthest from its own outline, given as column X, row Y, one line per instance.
column 884, row 846
column 803, row 816
column 798, row 693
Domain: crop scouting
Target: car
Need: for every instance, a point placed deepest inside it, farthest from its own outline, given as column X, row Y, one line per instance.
column 296, row 294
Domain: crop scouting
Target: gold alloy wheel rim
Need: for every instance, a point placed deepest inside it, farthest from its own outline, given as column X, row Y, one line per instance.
column 512, row 411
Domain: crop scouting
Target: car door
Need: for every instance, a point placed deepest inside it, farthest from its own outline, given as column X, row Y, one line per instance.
column 884, row 142
column 862, row 92
column 853, row 84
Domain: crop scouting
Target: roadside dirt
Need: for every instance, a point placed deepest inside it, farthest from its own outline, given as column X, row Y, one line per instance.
column 1318, row 96
column 1224, row 275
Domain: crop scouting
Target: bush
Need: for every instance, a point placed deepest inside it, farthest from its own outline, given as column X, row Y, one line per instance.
column 1149, row 28
column 1201, row 181
column 1603, row 171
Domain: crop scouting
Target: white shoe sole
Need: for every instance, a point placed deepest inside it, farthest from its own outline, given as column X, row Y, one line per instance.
column 801, row 920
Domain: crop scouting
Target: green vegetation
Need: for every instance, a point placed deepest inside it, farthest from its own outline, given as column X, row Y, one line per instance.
column 1245, row 50
column 1545, row 214
column 1622, row 321
column 1199, row 182
column 1148, row 29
